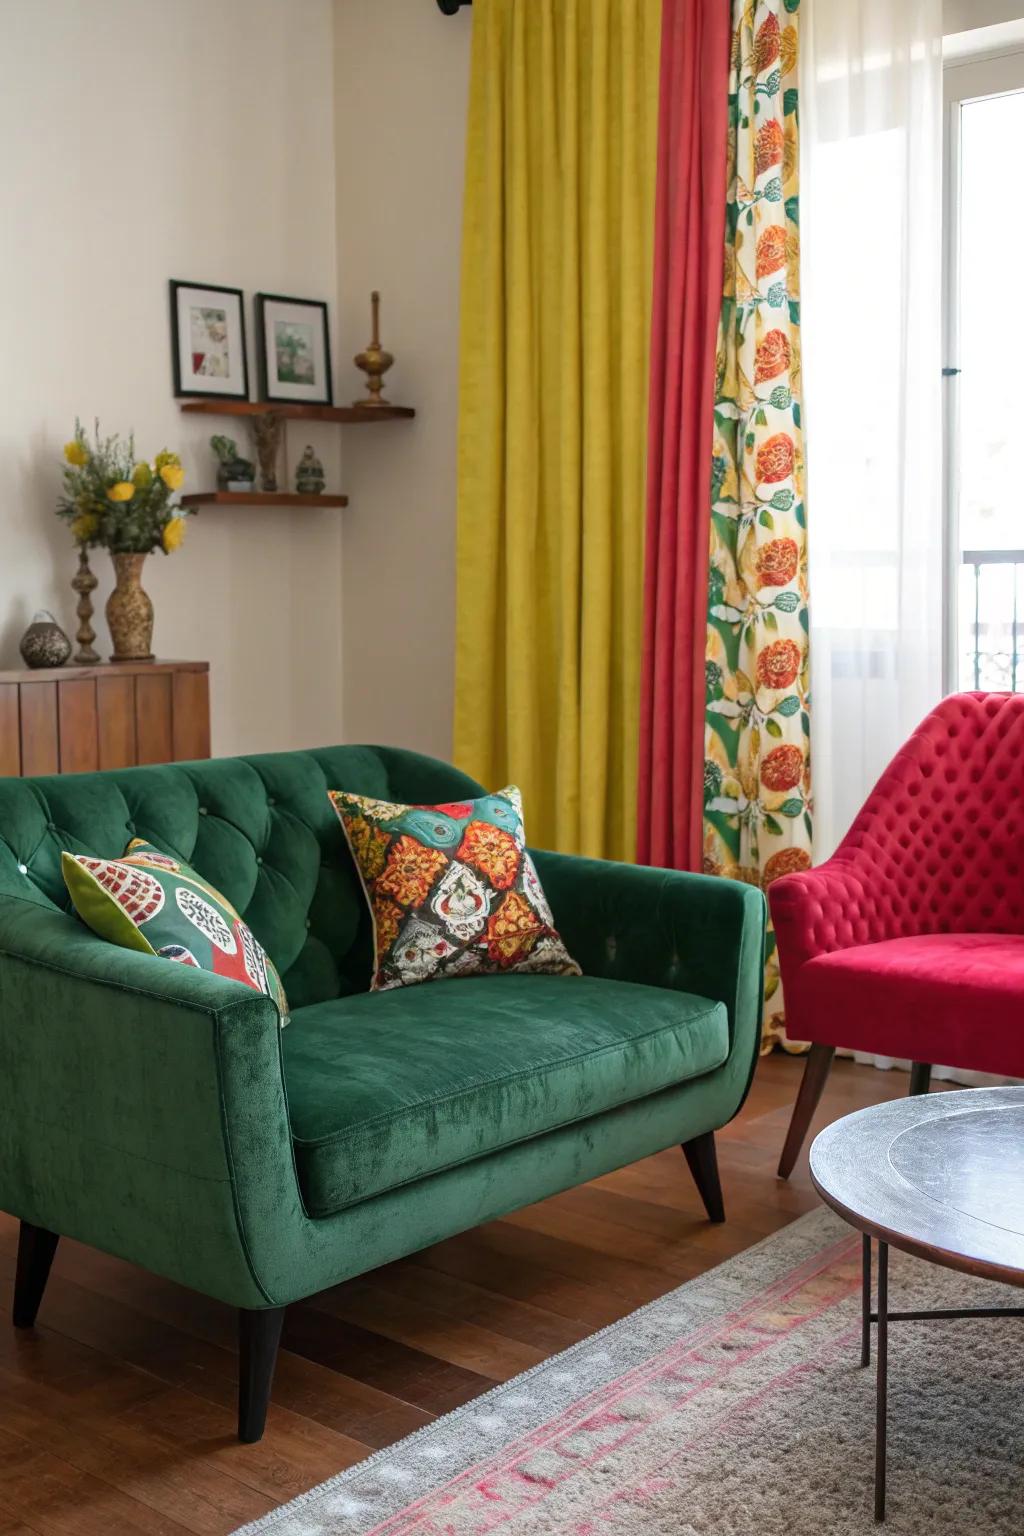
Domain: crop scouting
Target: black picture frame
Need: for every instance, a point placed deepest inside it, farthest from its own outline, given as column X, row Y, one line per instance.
column 185, row 386
column 317, row 396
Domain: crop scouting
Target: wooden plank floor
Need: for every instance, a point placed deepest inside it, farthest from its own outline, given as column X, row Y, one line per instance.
column 117, row 1412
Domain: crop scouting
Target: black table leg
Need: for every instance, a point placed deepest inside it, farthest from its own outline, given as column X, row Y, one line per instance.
column 881, row 1379
column 865, row 1302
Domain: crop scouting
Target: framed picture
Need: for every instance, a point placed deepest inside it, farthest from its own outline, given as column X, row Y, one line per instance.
column 294, row 349
column 208, row 340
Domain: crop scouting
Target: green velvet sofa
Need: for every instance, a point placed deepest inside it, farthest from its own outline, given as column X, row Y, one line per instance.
column 159, row 1113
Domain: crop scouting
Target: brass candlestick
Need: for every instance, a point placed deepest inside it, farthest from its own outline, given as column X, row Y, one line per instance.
column 374, row 362
column 85, row 584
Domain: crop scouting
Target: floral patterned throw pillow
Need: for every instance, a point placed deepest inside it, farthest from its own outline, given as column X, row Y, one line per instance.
column 452, row 889
column 159, row 905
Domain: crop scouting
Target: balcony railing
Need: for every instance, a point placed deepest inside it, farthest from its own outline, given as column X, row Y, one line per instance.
column 991, row 620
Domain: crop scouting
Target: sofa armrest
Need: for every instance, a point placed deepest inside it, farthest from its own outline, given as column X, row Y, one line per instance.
column 694, row 933
column 138, row 1101
column 60, row 944
column 816, row 911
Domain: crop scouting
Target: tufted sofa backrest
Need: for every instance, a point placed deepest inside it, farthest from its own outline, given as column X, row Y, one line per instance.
column 939, row 845
column 261, row 829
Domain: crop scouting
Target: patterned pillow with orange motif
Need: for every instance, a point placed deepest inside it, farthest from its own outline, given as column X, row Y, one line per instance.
column 452, row 889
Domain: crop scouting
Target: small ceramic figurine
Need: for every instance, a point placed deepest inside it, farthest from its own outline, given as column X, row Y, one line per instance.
column 233, row 472
column 309, row 476
column 44, row 643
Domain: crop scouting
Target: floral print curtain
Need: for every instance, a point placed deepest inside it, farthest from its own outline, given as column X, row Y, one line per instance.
column 757, row 779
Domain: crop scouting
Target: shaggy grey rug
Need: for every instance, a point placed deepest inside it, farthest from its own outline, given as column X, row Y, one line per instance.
column 732, row 1406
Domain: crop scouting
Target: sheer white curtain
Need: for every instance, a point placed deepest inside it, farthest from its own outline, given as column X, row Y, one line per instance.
column 871, row 211
column 871, row 253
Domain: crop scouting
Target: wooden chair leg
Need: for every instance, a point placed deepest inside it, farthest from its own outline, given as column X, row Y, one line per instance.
column 259, row 1334
column 920, row 1076
column 819, row 1064
column 703, row 1163
column 36, row 1248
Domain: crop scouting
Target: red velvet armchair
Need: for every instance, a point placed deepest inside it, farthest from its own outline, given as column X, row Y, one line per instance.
column 909, row 941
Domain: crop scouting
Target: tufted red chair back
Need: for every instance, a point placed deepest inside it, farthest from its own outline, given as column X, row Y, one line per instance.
column 939, row 845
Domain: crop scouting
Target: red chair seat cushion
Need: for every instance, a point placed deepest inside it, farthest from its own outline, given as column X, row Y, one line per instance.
column 955, row 999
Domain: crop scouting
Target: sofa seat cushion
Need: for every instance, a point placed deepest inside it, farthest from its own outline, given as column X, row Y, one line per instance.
column 953, row 999
column 388, row 1087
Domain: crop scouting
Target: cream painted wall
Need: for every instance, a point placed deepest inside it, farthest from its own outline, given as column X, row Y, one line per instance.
column 217, row 154
column 402, row 77
column 962, row 15
column 143, row 140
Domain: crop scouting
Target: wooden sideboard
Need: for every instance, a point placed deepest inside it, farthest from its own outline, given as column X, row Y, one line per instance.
column 117, row 714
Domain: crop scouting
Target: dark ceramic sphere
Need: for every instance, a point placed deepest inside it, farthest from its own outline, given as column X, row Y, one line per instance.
column 44, row 643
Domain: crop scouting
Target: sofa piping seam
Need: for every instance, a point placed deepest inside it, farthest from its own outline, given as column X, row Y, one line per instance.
column 138, row 1157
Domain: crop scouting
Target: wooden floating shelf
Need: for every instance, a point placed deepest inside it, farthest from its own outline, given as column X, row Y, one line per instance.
column 345, row 414
column 341, row 414
column 261, row 499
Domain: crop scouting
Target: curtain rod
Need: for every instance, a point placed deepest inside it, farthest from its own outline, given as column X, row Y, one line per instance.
column 452, row 7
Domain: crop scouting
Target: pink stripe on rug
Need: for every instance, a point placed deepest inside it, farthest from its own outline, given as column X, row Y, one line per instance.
column 531, row 1469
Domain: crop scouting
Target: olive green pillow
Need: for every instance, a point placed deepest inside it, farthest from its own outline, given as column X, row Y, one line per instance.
column 159, row 905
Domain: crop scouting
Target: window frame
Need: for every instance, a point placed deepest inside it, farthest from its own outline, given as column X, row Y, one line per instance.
column 965, row 79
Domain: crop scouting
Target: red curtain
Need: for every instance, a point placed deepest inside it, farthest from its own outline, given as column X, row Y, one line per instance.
column 689, row 242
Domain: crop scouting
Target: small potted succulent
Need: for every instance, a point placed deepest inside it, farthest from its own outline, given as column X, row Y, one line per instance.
column 234, row 473
column 114, row 501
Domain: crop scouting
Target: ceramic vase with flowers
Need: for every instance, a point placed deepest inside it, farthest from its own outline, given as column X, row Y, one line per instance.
column 114, row 501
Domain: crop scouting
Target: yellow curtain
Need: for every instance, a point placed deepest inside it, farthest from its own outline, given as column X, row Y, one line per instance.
column 556, row 287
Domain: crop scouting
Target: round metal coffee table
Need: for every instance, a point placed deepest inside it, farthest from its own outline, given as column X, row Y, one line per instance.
column 941, row 1176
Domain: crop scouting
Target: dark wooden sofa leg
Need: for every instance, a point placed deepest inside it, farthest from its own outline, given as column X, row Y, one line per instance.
column 703, row 1163
column 920, row 1076
column 259, row 1334
column 36, row 1248
column 819, row 1064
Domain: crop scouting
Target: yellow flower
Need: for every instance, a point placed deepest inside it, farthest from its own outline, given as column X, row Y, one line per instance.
column 76, row 452
column 174, row 532
column 173, row 476
column 122, row 491
column 164, row 458
column 84, row 526
column 142, row 476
